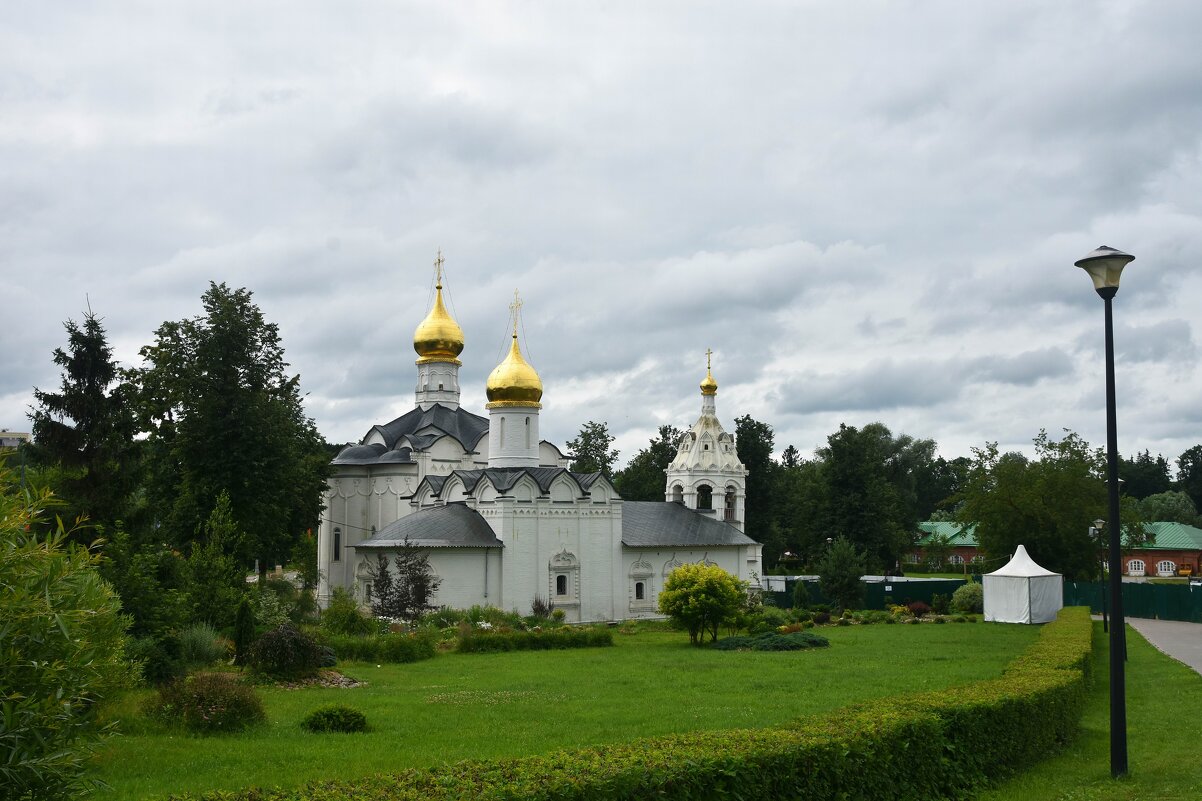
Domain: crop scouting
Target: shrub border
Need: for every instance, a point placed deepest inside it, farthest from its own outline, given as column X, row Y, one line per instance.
column 935, row 745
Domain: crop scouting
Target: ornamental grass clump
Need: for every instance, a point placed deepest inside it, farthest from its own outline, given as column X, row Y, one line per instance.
column 209, row 703
column 772, row 641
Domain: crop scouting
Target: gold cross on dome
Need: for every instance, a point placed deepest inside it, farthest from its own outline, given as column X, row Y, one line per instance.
column 438, row 267
column 708, row 354
column 515, row 308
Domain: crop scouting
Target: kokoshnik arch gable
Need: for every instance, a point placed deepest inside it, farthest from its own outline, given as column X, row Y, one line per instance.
column 502, row 517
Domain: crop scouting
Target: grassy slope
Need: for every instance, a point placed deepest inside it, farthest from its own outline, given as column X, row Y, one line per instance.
column 1164, row 737
column 479, row 706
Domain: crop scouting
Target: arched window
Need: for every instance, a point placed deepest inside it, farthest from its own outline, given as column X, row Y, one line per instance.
column 1166, row 568
column 337, row 555
column 677, row 494
column 1136, row 567
column 527, row 432
column 640, row 591
column 956, row 559
column 561, row 585
column 705, row 499
column 730, row 503
column 502, row 437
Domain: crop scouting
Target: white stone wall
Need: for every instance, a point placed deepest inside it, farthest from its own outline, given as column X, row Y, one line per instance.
column 437, row 382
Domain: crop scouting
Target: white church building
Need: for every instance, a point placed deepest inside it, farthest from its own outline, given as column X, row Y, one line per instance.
column 501, row 516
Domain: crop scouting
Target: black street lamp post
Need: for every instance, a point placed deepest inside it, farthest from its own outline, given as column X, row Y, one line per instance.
column 1104, row 266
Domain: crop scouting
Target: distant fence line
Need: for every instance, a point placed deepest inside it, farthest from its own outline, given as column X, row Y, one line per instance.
column 1158, row 601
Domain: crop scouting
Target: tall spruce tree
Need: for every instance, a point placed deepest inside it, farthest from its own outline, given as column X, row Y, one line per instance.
column 86, row 429
column 224, row 416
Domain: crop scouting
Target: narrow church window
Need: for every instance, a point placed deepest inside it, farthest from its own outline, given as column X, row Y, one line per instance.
column 367, row 592
column 502, row 432
column 561, row 585
column 527, row 432
column 707, row 446
column 639, row 592
column 705, row 498
column 337, row 555
column 440, row 385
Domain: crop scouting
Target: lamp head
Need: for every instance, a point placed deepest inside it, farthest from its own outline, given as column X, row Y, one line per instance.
column 1099, row 524
column 1104, row 266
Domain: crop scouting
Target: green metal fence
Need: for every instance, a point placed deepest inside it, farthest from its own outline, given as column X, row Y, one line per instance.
column 1160, row 601
column 877, row 595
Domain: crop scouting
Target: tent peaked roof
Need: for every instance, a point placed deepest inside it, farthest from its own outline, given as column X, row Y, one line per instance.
column 1022, row 565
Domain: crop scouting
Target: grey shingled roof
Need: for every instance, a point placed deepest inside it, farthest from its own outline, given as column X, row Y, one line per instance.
column 450, row 526
column 401, row 439
column 503, row 479
column 652, row 524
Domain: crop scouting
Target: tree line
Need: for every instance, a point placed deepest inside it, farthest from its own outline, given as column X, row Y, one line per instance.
column 186, row 470
column 872, row 488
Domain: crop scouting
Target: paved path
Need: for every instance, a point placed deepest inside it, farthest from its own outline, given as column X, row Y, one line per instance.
column 1182, row 641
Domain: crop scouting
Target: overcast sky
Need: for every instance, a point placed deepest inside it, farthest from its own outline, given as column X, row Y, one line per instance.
column 869, row 211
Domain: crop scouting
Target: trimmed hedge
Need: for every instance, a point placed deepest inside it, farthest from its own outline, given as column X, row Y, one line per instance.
column 938, row 745
column 335, row 718
column 383, row 647
column 481, row 642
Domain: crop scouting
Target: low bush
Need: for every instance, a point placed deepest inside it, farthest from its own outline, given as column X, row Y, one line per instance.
column 767, row 618
column 335, row 718
column 396, row 648
column 937, row 745
column 822, row 618
column 285, row 652
column 159, row 658
column 481, row 641
column 969, row 599
column 200, row 645
column 940, row 603
column 209, row 703
column 343, row 616
column 793, row 641
column 918, row 608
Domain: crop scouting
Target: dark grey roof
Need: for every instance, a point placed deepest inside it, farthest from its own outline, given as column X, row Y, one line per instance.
column 652, row 524
column 465, row 427
column 450, row 526
column 401, row 439
column 504, row 478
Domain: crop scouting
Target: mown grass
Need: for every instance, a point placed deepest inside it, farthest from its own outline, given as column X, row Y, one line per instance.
column 492, row 705
column 1164, row 737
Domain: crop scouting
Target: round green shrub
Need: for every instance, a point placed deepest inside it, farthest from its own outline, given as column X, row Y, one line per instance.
column 335, row 718
column 822, row 618
column 844, row 622
column 209, row 703
column 969, row 599
column 285, row 652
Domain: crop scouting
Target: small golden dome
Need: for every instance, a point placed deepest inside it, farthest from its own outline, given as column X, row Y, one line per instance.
column 708, row 385
column 513, row 382
column 438, row 338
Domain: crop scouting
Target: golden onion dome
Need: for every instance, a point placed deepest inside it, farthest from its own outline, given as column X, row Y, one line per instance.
column 438, row 338
column 708, row 385
column 513, row 382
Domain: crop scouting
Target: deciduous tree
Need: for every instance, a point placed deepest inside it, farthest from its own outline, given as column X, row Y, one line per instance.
column 62, row 652
column 643, row 479
column 591, row 450
column 224, row 416
column 701, row 597
column 1171, row 507
column 1047, row 504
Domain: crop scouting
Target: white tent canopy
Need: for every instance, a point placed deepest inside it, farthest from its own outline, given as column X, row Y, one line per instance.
column 1023, row 592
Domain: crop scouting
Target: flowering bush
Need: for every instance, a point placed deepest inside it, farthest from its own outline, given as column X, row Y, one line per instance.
column 209, row 703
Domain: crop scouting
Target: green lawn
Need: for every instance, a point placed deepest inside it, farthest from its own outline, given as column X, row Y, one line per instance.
column 1164, row 737
column 491, row 705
